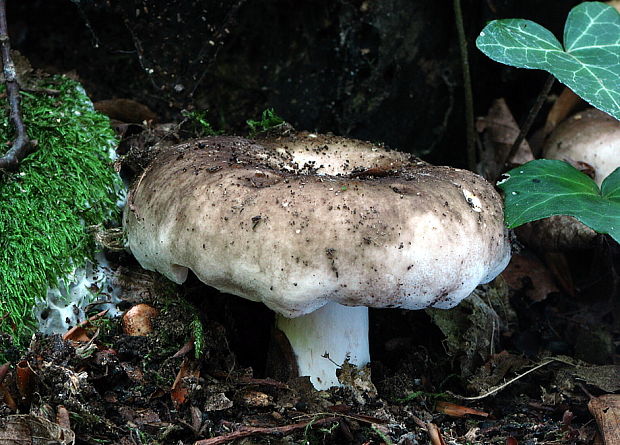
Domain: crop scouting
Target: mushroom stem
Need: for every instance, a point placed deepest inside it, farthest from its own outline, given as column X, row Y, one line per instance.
column 324, row 339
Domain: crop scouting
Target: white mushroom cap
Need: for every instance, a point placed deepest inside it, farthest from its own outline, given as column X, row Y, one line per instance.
column 310, row 153
column 248, row 220
column 590, row 136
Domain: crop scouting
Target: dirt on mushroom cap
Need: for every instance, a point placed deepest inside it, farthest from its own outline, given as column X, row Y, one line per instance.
column 401, row 233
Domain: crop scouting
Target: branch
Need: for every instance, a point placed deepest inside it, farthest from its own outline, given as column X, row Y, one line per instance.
column 22, row 146
column 525, row 128
column 247, row 431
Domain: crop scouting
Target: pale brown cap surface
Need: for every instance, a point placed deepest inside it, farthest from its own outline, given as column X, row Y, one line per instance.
column 400, row 233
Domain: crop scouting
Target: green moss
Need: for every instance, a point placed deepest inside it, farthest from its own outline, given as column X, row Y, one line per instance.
column 65, row 186
column 268, row 121
column 199, row 337
column 199, row 124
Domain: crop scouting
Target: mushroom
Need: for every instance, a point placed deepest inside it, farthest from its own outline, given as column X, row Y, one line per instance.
column 590, row 140
column 590, row 136
column 138, row 321
column 318, row 228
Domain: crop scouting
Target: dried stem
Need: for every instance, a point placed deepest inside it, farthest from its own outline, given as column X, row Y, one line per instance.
column 22, row 146
column 469, row 97
column 525, row 128
column 509, row 382
column 432, row 430
column 247, row 431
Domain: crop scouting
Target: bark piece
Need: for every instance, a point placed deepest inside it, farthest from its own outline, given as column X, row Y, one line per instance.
column 606, row 412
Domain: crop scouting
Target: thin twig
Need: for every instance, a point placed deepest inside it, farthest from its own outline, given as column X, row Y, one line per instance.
column 22, row 146
column 432, row 430
column 585, row 390
column 247, row 431
column 251, row 380
column 140, row 53
column 525, row 128
column 469, row 97
column 509, row 382
column 218, row 37
column 434, row 434
column 185, row 349
column 351, row 416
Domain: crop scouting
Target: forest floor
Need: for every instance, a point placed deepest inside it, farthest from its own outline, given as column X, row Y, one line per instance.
column 528, row 360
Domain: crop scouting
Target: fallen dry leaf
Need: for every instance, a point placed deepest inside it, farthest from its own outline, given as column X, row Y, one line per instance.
column 499, row 131
column 558, row 265
column 255, row 398
column 435, row 434
column 558, row 233
column 526, row 271
column 454, row 410
column 125, row 110
column 81, row 331
column 495, row 371
column 62, row 417
column 179, row 391
column 561, row 109
column 8, row 398
column 4, row 392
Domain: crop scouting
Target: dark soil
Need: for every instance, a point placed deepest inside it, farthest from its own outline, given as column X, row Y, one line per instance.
column 121, row 388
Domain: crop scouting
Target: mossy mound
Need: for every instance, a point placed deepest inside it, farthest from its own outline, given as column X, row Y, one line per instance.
column 65, row 186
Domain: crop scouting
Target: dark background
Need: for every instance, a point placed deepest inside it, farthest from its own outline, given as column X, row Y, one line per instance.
column 381, row 70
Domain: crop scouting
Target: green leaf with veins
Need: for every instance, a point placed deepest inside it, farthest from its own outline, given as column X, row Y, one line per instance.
column 589, row 62
column 542, row 188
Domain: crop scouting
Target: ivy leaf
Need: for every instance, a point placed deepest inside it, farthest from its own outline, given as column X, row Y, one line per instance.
column 589, row 62
column 542, row 188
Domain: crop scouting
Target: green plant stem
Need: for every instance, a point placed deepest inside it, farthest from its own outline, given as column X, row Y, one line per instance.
column 525, row 128
column 469, row 98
